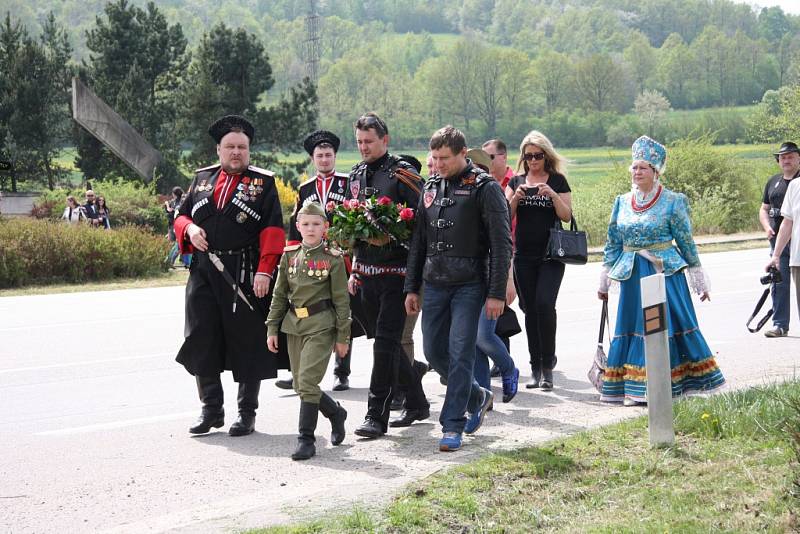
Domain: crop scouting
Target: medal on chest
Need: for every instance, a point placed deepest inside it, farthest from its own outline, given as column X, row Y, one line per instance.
column 293, row 265
column 318, row 269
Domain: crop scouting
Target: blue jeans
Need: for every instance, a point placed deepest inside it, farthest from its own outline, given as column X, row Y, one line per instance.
column 781, row 300
column 449, row 337
column 490, row 345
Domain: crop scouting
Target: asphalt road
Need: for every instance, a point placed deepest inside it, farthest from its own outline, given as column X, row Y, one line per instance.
column 93, row 429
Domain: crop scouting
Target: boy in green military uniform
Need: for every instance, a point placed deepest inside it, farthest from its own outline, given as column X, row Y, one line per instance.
column 311, row 305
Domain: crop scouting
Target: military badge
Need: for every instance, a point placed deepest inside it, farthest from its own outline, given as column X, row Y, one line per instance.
column 429, row 197
column 241, row 217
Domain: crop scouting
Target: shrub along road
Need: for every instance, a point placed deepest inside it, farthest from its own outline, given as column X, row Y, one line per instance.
column 93, row 434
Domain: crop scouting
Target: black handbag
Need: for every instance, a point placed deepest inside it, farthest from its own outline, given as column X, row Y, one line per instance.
column 567, row 246
column 507, row 324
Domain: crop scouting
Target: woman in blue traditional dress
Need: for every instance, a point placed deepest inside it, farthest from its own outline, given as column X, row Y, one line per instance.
column 650, row 231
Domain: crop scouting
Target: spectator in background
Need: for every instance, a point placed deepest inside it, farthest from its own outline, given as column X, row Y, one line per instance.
column 103, row 213
column 790, row 211
column 498, row 153
column 430, row 165
column 73, row 213
column 90, row 209
column 171, row 207
column 788, row 158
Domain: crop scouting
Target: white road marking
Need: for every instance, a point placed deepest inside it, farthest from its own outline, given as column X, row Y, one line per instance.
column 90, row 362
column 116, row 424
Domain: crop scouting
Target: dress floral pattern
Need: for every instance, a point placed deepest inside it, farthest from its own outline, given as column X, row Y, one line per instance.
column 662, row 232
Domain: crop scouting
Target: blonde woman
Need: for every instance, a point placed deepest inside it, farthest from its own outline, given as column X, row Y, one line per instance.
column 538, row 197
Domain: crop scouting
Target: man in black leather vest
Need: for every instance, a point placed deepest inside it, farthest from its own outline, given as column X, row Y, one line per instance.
column 230, row 215
column 461, row 249
column 378, row 275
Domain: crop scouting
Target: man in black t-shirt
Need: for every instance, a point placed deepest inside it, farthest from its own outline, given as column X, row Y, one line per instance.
column 770, row 217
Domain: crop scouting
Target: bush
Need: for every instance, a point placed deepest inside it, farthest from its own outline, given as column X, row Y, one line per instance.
column 130, row 203
column 723, row 190
column 43, row 252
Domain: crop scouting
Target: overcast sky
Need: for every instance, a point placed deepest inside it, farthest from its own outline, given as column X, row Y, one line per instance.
column 789, row 6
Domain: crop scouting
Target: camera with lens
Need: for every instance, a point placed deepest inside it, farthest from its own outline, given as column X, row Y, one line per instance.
column 773, row 276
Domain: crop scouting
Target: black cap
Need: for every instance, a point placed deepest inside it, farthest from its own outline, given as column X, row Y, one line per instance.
column 408, row 158
column 786, row 148
column 227, row 124
column 320, row 136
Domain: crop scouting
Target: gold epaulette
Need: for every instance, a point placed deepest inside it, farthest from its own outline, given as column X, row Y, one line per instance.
column 290, row 248
column 409, row 178
column 208, row 168
column 261, row 171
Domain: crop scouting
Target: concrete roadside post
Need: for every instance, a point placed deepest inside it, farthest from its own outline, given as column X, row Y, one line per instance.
column 659, row 376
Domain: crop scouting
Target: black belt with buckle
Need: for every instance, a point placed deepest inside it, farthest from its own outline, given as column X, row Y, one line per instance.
column 308, row 311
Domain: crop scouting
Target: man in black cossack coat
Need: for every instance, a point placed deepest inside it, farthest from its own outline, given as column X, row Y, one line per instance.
column 231, row 219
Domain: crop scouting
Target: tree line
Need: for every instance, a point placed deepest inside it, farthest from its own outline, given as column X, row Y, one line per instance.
column 588, row 73
column 142, row 67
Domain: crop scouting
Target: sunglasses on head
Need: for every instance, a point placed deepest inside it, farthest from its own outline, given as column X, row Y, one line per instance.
column 538, row 156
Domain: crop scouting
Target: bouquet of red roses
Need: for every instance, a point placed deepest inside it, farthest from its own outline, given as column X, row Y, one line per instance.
column 376, row 221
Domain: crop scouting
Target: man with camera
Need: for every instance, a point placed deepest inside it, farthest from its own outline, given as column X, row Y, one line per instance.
column 772, row 220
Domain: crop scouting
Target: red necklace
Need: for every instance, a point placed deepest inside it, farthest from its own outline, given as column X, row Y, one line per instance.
column 639, row 209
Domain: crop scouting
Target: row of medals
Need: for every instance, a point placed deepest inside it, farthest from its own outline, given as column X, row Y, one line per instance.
column 248, row 191
column 316, row 268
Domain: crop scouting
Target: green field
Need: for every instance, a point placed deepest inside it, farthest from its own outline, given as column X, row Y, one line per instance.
column 586, row 165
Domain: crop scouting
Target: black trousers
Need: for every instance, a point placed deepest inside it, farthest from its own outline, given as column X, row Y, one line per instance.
column 383, row 301
column 537, row 282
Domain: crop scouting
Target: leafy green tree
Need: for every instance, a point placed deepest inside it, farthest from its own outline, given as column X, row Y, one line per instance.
column 136, row 61
column 640, row 60
column 552, row 76
column 773, row 24
column 598, row 81
column 34, row 100
column 676, row 71
column 228, row 75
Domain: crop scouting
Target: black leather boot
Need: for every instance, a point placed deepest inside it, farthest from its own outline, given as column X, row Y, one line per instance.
column 337, row 415
column 341, row 371
column 248, row 403
column 309, row 413
column 209, row 389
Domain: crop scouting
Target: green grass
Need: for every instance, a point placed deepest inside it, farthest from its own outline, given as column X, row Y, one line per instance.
column 733, row 468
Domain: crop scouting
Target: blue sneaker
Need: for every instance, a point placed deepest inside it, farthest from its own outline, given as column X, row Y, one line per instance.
column 510, row 385
column 476, row 419
column 451, row 441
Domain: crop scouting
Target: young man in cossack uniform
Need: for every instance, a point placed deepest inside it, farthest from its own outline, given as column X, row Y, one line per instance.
column 231, row 219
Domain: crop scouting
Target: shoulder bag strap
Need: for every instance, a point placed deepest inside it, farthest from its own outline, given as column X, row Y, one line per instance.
column 603, row 324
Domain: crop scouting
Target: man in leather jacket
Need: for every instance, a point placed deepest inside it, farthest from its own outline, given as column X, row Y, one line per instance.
column 379, row 268
column 461, row 250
